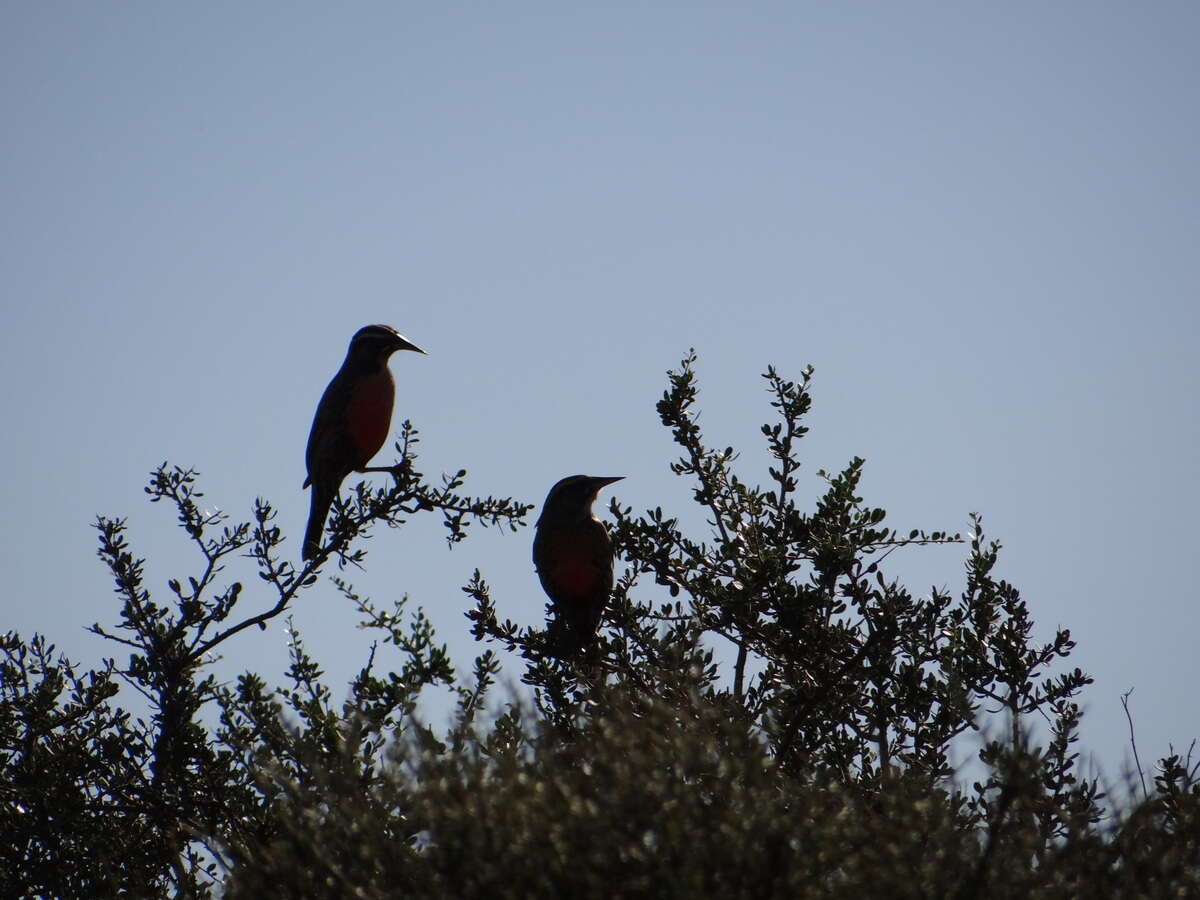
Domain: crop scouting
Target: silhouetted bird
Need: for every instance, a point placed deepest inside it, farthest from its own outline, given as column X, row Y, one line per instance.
column 573, row 555
column 351, row 423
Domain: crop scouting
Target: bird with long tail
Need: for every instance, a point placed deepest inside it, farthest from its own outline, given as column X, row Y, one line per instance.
column 351, row 423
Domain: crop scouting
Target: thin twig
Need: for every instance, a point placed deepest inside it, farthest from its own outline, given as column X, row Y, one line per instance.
column 1133, row 742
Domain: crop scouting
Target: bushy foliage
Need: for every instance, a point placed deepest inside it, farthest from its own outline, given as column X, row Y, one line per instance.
column 767, row 713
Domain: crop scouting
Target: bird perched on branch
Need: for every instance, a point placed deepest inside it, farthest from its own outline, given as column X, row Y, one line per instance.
column 351, row 423
column 573, row 555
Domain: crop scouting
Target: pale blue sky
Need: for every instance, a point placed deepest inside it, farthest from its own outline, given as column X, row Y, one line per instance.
column 978, row 221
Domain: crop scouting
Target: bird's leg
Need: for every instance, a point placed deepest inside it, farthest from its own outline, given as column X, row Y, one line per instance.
column 398, row 471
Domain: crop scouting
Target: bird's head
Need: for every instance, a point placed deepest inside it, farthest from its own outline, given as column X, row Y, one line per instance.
column 375, row 343
column 573, row 496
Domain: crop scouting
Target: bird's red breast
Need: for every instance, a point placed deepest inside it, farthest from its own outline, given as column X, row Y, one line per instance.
column 567, row 561
column 574, row 571
column 369, row 413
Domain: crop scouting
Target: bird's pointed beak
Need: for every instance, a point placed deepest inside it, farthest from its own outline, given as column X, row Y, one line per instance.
column 403, row 343
column 600, row 482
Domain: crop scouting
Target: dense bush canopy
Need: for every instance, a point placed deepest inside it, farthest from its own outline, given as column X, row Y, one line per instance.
column 767, row 713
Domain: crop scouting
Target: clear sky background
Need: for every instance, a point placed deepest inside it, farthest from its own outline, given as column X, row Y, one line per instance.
column 978, row 221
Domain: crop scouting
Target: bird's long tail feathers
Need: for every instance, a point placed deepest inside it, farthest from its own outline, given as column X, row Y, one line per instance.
column 322, row 499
